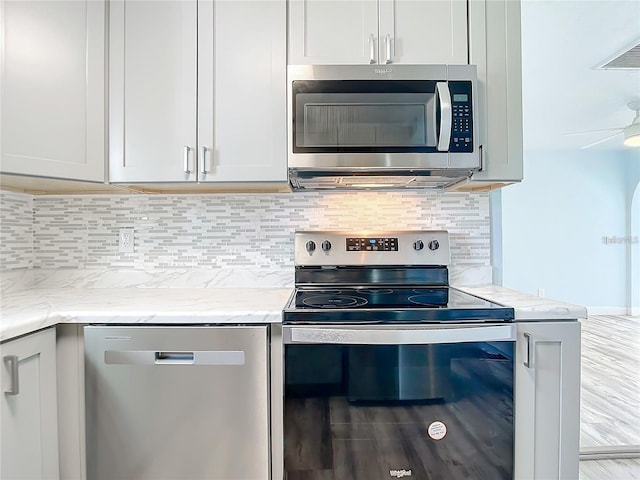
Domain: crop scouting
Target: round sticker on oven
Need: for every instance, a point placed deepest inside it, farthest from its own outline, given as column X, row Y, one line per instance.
column 437, row 430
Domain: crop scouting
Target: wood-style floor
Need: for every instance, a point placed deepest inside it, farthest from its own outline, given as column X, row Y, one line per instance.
column 610, row 393
column 620, row 469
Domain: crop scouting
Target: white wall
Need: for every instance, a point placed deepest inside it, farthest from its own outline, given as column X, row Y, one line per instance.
column 634, row 245
column 552, row 227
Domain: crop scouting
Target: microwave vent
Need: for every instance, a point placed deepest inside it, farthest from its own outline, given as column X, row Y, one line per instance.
column 324, row 181
column 627, row 60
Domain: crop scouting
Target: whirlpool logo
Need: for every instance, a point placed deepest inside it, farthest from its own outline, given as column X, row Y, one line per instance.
column 383, row 71
column 400, row 473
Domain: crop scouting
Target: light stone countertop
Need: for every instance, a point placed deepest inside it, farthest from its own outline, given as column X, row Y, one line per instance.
column 527, row 307
column 30, row 310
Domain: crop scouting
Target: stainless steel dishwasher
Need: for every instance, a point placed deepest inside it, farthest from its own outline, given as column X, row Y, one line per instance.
column 177, row 402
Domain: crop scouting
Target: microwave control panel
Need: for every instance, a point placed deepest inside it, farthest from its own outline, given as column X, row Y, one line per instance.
column 462, row 117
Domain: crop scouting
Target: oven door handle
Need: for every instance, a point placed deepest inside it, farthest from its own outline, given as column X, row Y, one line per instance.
column 404, row 336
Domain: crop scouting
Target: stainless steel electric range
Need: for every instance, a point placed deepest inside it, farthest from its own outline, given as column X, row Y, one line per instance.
column 389, row 372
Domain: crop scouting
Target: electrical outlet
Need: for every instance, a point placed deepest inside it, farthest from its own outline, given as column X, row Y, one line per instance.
column 125, row 240
column 541, row 292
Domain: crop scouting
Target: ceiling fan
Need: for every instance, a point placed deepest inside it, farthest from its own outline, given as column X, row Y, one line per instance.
column 631, row 132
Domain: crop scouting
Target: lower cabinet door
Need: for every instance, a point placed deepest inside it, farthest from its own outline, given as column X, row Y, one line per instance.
column 547, row 400
column 28, row 415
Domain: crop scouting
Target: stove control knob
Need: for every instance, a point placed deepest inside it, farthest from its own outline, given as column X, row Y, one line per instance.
column 418, row 245
column 434, row 245
column 326, row 246
column 310, row 246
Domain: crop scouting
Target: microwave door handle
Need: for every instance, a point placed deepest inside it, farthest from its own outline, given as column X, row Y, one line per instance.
column 444, row 101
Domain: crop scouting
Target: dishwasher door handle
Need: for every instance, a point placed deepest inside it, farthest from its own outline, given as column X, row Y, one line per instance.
column 174, row 357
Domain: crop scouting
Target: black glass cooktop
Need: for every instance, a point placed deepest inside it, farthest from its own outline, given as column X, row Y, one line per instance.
column 385, row 305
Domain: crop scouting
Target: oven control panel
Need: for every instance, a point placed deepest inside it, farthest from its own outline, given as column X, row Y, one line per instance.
column 372, row 244
column 331, row 248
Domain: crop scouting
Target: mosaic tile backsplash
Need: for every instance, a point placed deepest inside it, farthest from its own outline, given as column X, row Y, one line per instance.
column 221, row 232
column 16, row 231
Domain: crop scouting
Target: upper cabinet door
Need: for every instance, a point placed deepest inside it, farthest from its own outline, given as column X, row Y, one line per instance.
column 152, row 116
column 332, row 32
column 242, row 91
column 426, row 32
column 52, row 89
column 495, row 29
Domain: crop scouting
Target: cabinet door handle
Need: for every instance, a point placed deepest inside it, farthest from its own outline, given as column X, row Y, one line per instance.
column 372, row 49
column 387, row 44
column 185, row 159
column 203, row 160
column 12, row 363
column 528, row 359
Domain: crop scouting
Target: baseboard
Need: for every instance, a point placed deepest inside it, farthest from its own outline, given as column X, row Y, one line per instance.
column 608, row 311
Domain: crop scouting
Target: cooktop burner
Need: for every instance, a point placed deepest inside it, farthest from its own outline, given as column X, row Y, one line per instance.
column 333, row 301
column 424, row 300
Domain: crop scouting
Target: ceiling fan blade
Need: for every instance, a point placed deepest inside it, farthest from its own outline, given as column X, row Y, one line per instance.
column 602, row 140
column 594, row 131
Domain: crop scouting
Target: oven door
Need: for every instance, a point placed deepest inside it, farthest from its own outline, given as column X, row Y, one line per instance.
column 375, row 402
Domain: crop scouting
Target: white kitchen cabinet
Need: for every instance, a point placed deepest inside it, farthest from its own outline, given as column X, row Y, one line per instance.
column 198, row 91
column 71, row 401
column 29, row 423
column 377, row 31
column 53, row 89
column 333, row 32
column 152, row 69
column 242, row 92
column 414, row 32
column 547, row 400
column 494, row 41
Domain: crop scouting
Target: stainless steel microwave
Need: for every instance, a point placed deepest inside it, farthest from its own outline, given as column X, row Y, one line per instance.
column 398, row 125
